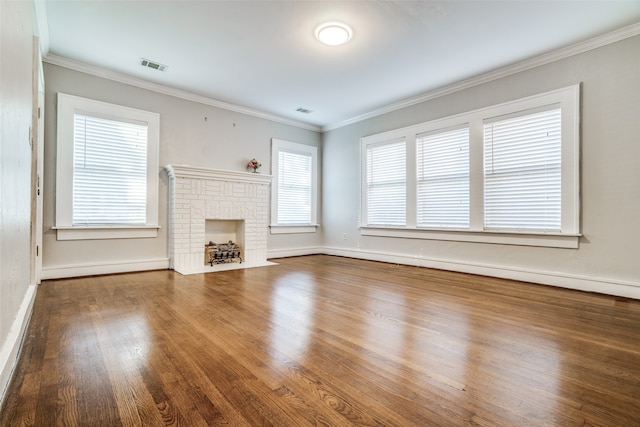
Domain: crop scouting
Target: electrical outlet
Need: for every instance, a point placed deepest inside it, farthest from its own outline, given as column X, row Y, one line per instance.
column 345, row 236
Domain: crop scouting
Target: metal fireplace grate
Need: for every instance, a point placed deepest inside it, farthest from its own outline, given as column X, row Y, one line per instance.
column 220, row 253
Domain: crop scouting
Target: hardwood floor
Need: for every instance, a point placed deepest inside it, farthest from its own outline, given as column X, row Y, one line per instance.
column 323, row 340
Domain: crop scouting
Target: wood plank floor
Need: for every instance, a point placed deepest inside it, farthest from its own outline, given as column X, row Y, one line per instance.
column 323, row 340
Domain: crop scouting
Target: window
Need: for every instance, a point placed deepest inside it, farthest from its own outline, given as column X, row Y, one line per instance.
column 386, row 183
column 294, row 187
column 505, row 174
column 522, row 165
column 443, row 179
column 107, row 170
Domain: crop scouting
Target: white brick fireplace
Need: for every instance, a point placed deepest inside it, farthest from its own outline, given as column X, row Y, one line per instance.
column 198, row 195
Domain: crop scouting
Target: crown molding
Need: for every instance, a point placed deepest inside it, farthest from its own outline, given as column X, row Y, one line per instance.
column 559, row 54
column 93, row 70
column 527, row 64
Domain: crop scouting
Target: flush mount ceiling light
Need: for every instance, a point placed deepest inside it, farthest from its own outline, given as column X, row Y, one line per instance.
column 334, row 33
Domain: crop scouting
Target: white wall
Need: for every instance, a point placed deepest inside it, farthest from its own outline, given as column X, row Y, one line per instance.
column 608, row 258
column 17, row 27
column 190, row 134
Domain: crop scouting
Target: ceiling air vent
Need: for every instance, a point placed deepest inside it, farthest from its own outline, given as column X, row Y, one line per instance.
column 303, row 110
column 150, row 64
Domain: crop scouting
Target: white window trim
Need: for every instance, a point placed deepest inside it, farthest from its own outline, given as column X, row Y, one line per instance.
column 293, row 229
column 495, row 237
column 569, row 100
column 278, row 145
column 67, row 106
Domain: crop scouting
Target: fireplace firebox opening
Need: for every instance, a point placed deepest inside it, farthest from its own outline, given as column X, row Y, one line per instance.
column 224, row 241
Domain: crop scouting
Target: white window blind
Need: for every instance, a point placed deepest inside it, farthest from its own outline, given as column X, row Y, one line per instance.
column 387, row 183
column 109, row 172
column 294, row 188
column 443, row 179
column 522, row 172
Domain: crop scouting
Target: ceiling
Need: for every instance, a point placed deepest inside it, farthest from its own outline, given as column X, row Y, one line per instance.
column 262, row 55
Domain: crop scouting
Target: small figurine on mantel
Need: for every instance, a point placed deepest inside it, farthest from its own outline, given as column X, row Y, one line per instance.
column 254, row 165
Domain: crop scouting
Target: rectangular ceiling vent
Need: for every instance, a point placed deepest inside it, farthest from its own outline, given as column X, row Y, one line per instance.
column 303, row 110
column 150, row 64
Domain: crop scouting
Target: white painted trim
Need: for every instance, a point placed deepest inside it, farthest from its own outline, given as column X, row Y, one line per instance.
column 557, row 55
column 601, row 285
column 100, row 233
column 280, row 146
column 286, row 253
column 167, row 90
column 549, row 240
column 193, row 172
column 567, row 98
column 68, row 106
column 77, row 270
column 12, row 346
column 293, row 229
column 547, row 58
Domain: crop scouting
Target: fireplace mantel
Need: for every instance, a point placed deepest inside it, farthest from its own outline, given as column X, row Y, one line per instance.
column 199, row 194
column 182, row 171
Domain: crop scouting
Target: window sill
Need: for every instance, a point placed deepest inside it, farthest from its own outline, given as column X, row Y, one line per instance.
column 293, row 229
column 106, row 232
column 567, row 241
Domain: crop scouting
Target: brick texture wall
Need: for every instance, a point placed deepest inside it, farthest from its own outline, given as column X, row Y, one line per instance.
column 197, row 194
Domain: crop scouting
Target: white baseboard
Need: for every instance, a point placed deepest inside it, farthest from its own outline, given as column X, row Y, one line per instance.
column 77, row 270
column 11, row 346
column 285, row 253
column 563, row 280
column 601, row 285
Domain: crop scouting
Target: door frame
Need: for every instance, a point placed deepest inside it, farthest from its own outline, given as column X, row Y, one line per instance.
column 37, row 162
